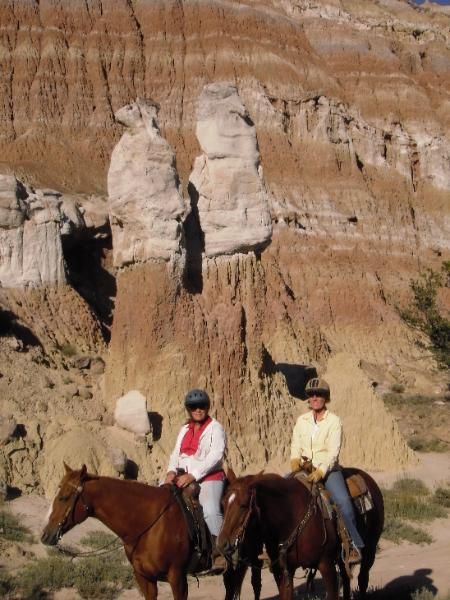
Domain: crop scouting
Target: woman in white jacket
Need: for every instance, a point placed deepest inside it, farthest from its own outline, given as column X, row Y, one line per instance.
column 199, row 451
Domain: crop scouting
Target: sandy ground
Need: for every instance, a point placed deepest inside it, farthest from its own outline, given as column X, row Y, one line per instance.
column 397, row 566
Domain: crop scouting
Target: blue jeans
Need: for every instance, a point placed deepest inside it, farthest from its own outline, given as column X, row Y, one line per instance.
column 335, row 484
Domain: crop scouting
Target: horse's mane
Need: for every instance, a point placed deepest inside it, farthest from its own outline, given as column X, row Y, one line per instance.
column 137, row 488
column 276, row 485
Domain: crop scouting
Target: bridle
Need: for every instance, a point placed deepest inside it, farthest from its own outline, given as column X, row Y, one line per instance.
column 240, row 535
column 70, row 511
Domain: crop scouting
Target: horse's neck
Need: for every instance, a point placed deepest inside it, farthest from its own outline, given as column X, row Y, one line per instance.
column 118, row 504
column 280, row 501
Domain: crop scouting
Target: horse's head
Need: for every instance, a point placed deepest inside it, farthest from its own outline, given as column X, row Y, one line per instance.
column 68, row 507
column 239, row 504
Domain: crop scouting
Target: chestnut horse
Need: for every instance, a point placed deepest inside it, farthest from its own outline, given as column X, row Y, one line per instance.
column 294, row 531
column 148, row 520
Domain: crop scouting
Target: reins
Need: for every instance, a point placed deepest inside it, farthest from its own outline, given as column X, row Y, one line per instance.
column 284, row 546
column 242, row 529
column 106, row 548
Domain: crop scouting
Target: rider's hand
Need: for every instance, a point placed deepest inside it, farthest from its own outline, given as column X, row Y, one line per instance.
column 315, row 476
column 296, row 464
column 170, row 477
column 184, row 480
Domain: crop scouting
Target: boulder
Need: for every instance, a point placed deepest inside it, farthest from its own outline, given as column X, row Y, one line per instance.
column 97, row 365
column 118, row 459
column 131, row 413
column 145, row 204
column 226, row 183
column 76, row 447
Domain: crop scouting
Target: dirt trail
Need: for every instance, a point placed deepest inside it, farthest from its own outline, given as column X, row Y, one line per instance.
column 397, row 567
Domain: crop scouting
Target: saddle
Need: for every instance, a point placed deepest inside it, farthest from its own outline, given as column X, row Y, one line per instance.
column 362, row 500
column 188, row 500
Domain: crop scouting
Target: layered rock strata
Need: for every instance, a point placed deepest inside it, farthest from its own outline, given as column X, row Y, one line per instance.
column 350, row 106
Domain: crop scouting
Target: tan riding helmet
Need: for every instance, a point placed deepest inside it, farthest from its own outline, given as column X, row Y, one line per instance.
column 318, row 386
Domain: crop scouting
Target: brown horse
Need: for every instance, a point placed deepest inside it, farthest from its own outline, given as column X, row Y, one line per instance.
column 148, row 520
column 294, row 531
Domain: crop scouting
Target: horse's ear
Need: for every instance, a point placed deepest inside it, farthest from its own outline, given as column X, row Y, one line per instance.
column 231, row 476
column 67, row 468
column 83, row 473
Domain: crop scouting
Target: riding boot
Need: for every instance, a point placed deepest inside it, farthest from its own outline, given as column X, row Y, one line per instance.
column 219, row 564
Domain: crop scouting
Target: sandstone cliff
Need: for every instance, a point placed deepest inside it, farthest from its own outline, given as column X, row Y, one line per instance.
column 350, row 106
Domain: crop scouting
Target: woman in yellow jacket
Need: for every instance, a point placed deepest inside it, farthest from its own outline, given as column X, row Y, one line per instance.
column 318, row 436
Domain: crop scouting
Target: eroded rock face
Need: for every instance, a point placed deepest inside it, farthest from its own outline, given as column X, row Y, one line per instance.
column 226, row 184
column 146, row 207
column 30, row 241
column 33, row 225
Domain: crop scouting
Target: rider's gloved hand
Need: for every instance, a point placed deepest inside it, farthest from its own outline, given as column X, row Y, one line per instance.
column 296, row 464
column 315, row 476
column 170, row 477
column 184, row 480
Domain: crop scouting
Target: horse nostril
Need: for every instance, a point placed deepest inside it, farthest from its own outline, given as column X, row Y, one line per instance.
column 47, row 539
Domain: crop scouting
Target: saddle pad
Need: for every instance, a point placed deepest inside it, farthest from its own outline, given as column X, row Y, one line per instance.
column 356, row 485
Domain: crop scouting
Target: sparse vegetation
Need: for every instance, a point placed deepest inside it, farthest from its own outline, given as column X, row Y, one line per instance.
column 97, row 539
column 68, row 350
column 410, row 500
column 425, row 316
column 426, row 444
column 93, row 577
column 397, row 388
column 420, row 420
column 11, row 529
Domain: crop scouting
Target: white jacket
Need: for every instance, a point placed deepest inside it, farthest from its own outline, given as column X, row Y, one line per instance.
column 209, row 456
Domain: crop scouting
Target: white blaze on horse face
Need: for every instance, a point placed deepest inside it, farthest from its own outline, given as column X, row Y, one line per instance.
column 231, row 498
column 50, row 509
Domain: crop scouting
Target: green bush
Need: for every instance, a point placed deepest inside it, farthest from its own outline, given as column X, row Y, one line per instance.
column 423, row 444
column 94, row 577
column 11, row 529
column 397, row 530
column 98, row 539
column 410, row 500
column 442, row 496
column 424, row 314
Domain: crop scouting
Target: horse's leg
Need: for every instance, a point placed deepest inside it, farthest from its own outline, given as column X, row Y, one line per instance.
column 178, row 582
column 287, row 586
column 346, row 588
column 368, row 558
column 328, row 572
column 232, row 580
column 256, row 582
column 147, row 587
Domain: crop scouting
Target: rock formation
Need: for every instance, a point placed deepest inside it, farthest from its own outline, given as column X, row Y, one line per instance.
column 146, row 206
column 226, row 186
column 350, row 111
column 30, row 239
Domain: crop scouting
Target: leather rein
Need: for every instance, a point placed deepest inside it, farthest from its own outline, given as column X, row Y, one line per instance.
column 283, row 546
column 89, row 511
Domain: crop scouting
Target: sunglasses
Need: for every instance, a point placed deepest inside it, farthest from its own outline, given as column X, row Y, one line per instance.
column 193, row 407
column 316, row 394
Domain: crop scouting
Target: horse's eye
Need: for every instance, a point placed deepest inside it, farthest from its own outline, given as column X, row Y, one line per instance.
column 63, row 498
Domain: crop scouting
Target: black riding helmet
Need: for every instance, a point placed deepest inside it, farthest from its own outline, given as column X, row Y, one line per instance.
column 196, row 397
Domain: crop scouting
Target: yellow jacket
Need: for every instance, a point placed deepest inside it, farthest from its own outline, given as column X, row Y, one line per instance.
column 324, row 447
